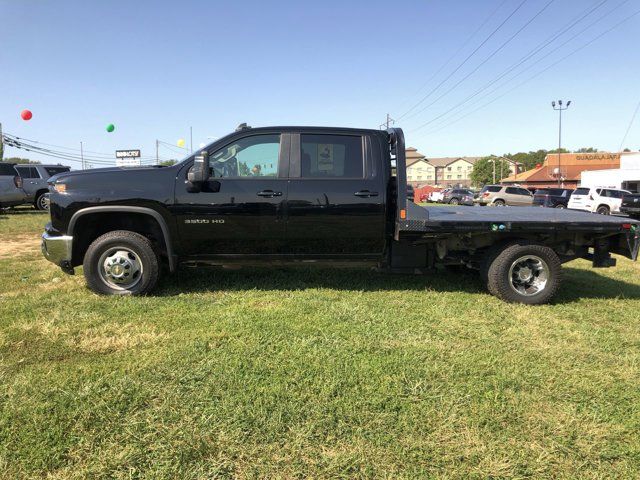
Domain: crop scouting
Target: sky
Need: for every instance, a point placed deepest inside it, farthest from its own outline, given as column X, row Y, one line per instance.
column 155, row 69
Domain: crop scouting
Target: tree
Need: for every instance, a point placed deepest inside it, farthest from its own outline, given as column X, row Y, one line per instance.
column 482, row 173
column 528, row 160
column 168, row 163
column 22, row 161
column 586, row 150
column 626, row 150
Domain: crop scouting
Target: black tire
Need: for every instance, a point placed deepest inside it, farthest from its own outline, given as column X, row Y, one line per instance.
column 501, row 278
column 499, row 203
column 561, row 205
column 118, row 245
column 41, row 201
column 603, row 210
column 454, row 201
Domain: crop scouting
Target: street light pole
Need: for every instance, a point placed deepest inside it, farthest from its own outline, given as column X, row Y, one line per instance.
column 560, row 108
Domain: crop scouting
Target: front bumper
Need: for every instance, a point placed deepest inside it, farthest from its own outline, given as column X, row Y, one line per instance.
column 58, row 250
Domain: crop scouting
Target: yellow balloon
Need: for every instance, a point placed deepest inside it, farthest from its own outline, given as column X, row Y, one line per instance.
column 181, row 142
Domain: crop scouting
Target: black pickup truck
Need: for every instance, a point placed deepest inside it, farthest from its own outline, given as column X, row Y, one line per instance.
column 307, row 195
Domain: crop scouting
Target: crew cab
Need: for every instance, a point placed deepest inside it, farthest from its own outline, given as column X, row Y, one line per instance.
column 333, row 196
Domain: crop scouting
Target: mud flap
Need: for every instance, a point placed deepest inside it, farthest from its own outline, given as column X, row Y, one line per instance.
column 633, row 240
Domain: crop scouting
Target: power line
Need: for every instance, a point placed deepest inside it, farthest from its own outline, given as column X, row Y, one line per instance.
column 493, row 54
column 441, row 127
column 629, row 127
column 465, row 60
column 74, row 152
column 464, row 44
column 527, row 57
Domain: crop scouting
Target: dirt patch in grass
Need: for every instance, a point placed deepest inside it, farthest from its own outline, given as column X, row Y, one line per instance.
column 111, row 338
column 18, row 245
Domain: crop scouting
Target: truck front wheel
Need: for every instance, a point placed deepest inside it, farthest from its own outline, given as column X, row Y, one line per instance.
column 121, row 263
column 523, row 273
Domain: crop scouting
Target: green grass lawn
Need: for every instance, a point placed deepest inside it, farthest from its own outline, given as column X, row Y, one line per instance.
column 264, row 373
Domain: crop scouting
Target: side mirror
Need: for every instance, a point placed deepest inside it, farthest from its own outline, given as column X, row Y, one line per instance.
column 199, row 173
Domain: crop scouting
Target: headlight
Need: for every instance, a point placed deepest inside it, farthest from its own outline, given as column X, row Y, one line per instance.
column 60, row 187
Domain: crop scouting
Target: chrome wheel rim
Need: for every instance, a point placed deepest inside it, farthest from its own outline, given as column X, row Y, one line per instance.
column 43, row 202
column 120, row 268
column 529, row 275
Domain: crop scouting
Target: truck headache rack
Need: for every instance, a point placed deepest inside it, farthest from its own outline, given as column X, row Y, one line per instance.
column 409, row 216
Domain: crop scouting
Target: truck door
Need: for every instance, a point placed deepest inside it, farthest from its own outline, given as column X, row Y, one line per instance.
column 337, row 194
column 240, row 208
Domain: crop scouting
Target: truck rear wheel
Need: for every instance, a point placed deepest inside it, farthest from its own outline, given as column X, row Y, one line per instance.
column 121, row 263
column 523, row 273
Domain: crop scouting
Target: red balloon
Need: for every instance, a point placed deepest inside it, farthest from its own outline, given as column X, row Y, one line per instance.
column 26, row 114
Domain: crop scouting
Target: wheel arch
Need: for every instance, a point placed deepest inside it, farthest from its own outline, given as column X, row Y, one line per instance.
column 82, row 238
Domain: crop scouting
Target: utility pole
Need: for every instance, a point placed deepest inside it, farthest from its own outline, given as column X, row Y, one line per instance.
column 560, row 109
column 157, row 158
column 1, row 143
column 389, row 121
column 493, row 160
column 191, row 139
column 82, row 155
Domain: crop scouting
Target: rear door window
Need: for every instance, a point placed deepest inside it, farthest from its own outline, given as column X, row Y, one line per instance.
column 51, row 171
column 331, row 156
column 28, row 172
column 492, row 188
column 512, row 191
column 581, row 191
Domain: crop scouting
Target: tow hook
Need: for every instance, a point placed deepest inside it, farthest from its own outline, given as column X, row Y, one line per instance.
column 67, row 268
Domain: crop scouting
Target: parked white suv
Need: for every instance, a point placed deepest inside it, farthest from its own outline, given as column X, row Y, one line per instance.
column 604, row 201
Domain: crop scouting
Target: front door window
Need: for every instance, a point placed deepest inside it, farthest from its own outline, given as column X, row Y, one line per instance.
column 248, row 157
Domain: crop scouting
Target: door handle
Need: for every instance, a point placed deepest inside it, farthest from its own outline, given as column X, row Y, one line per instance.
column 366, row 194
column 269, row 193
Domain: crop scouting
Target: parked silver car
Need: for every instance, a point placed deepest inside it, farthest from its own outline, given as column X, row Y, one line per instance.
column 34, row 180
column 501, row 195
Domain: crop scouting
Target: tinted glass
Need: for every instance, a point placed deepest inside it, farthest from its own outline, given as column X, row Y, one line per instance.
column 512, row 190
column 524, row 191
column 27, row 172
column 615, row 193
column 6, row 169
column 581, row 191
column 51, row 171
column 330, row 156
column 248, row 157
column 492, row 188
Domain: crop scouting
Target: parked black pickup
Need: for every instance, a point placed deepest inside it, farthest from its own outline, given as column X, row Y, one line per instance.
column 309, row 195
column 631, row 205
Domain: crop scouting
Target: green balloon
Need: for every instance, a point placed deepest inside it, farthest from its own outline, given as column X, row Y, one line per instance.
column 111, row 127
